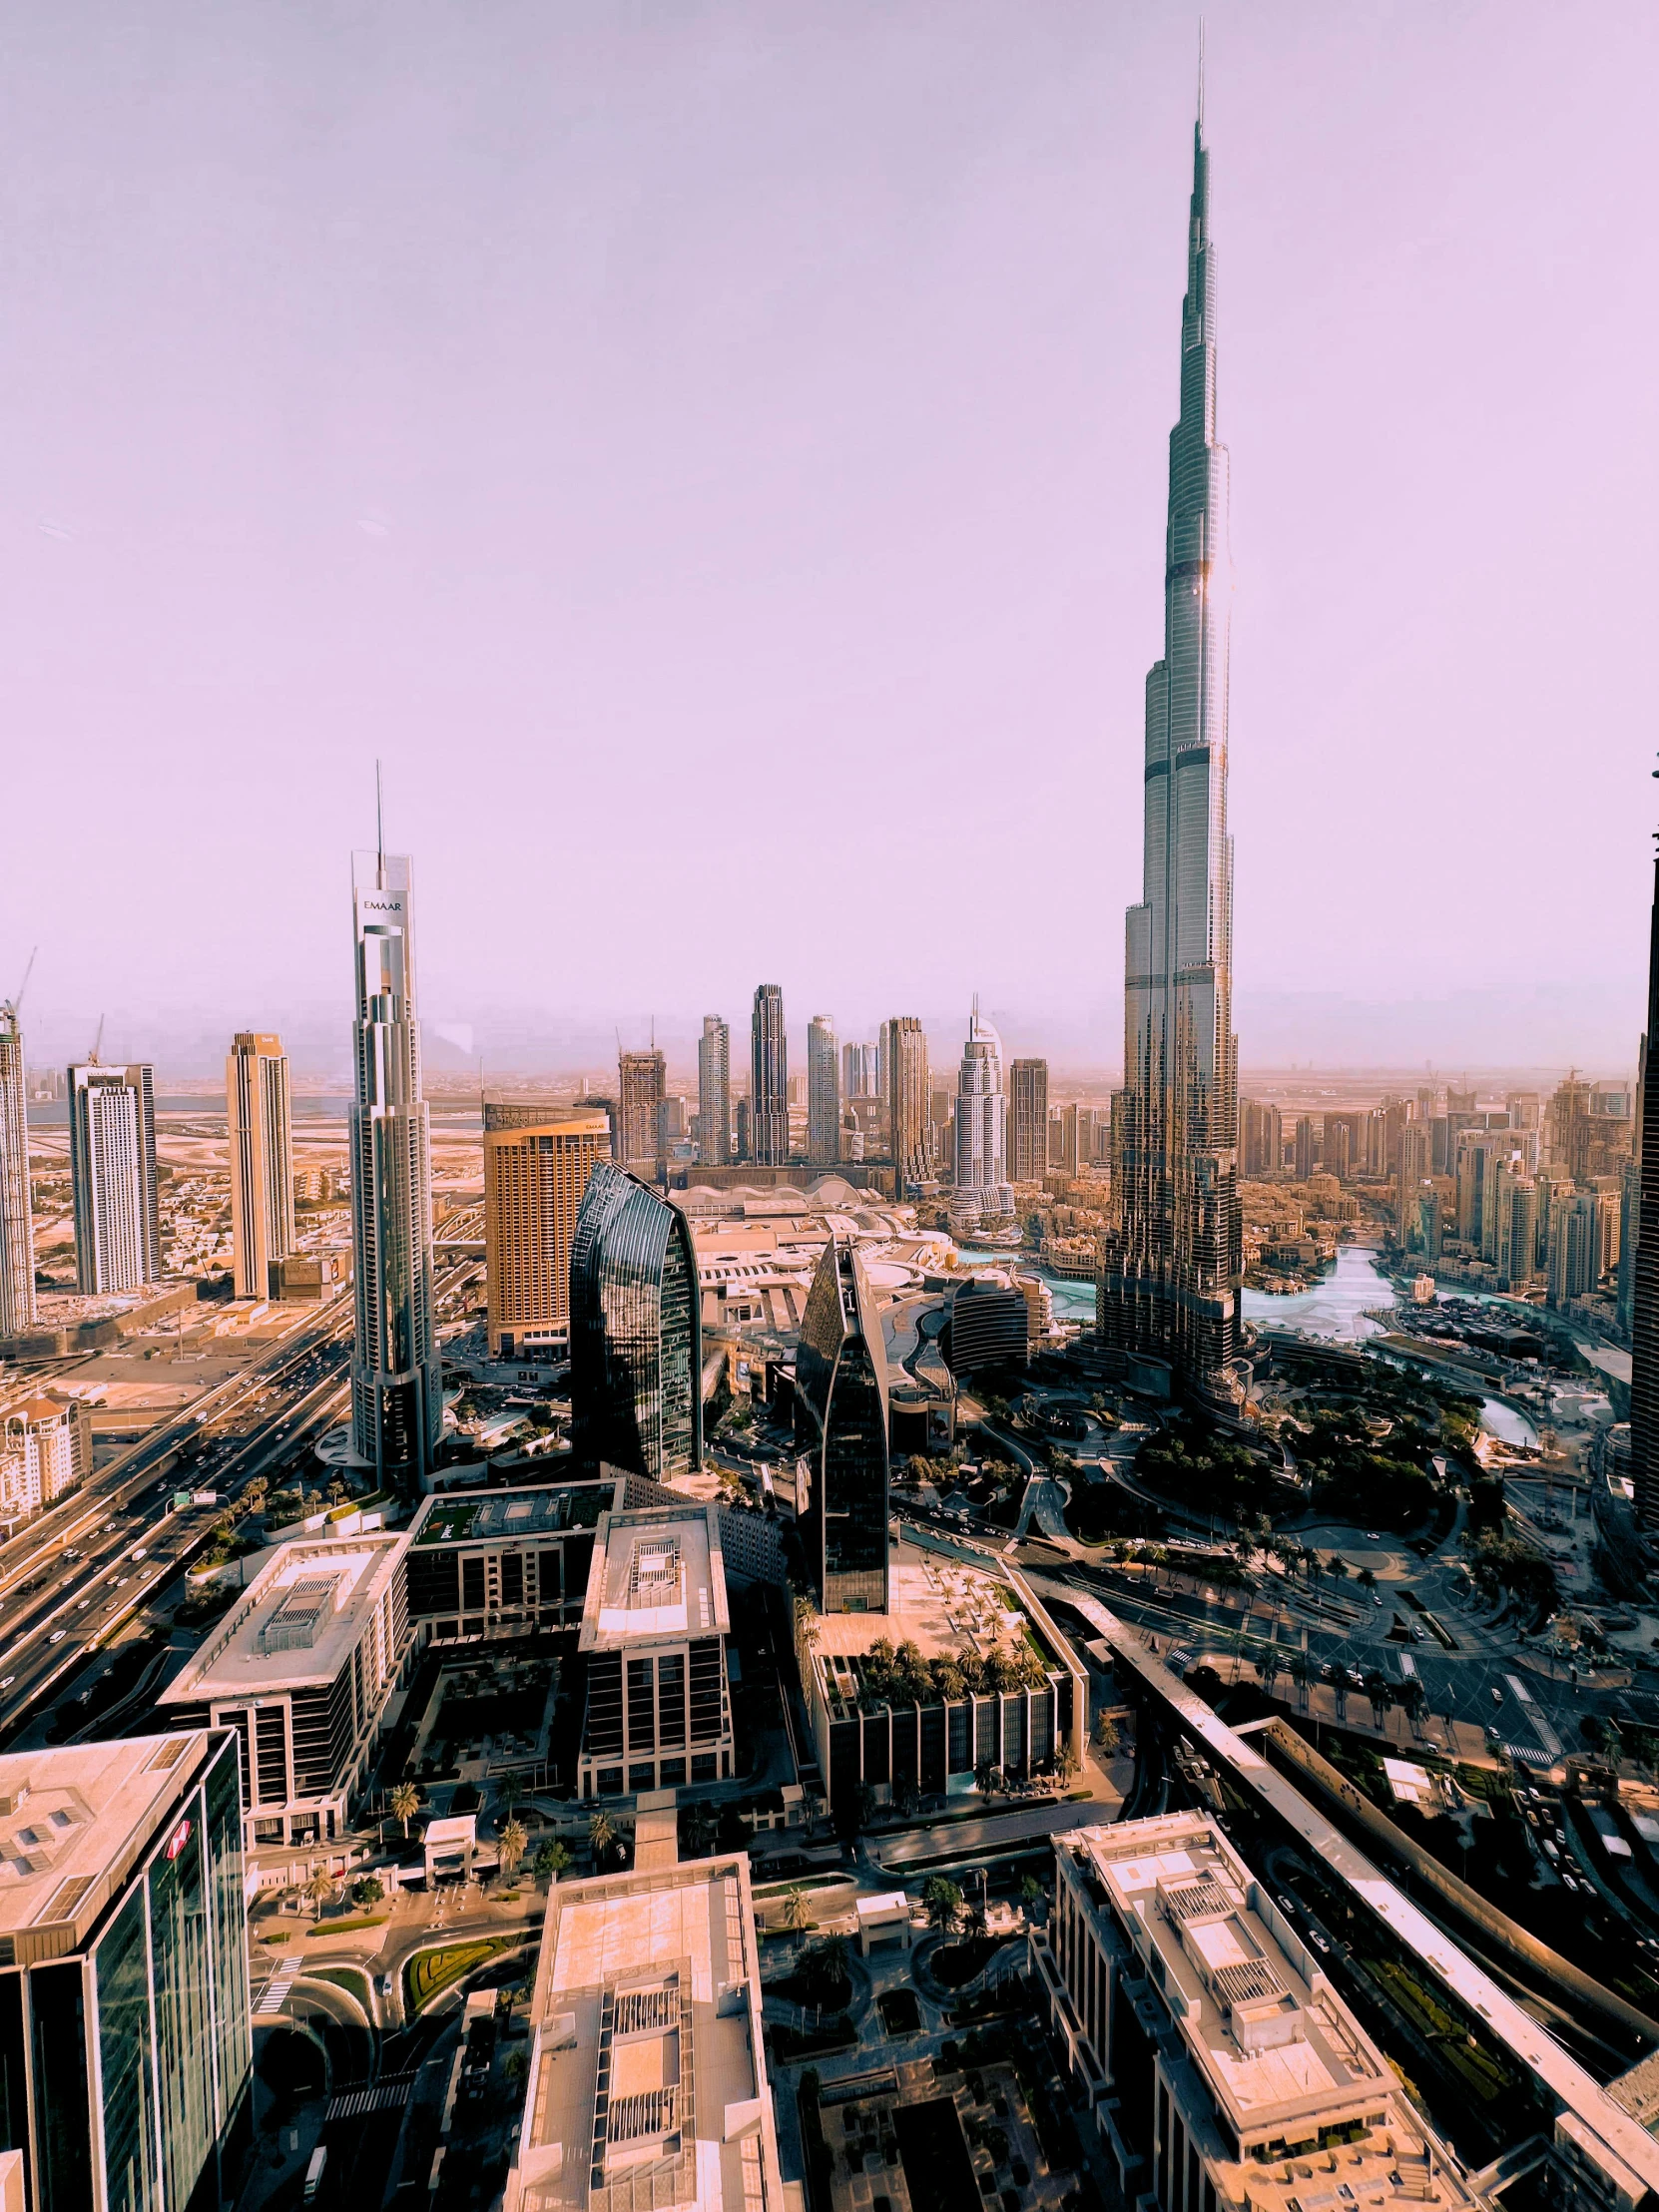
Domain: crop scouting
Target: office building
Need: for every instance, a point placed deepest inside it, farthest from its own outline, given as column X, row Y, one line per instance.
column 300, row 1668
column 501, row 1563
column 1027, row 1120
column 259, row 1123
column 823, row 1095
column 1222, row 2066
column 861, row 1071
column 1261, row 1138
column 904, row 1066
column 989, row 1325
column 397, row 1384
column 112, row 1152
column 1644, row 1260
column 45, row 1449
column 1579, row 1237
column 538, row 1159
column 636, row 1356
column 714, row 1093
column 654, row 1630
column 768, row 1079
column 125, row 2046
column 1172, row 1270
column 840, row 1391
column 640, row 1087
column 17, row 1225
column 1412, row 1171
column 980, row 1160
column 647, row 2083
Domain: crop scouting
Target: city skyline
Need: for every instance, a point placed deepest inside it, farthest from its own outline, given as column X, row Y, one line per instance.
column 392, row 533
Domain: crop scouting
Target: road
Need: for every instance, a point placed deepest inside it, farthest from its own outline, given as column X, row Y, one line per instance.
column 76, row 1576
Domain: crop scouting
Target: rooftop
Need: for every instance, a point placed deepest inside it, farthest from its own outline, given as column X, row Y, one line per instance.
column 951, row 1614
column 647, row 2082
column 72, row 1824
column 297, row 1622
column 534, row 1511
column 658, row 1572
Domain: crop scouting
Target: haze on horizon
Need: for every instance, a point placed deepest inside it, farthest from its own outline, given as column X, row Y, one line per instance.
column 717, row 462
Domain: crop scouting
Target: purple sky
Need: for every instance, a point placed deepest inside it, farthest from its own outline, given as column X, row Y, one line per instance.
column 715, row 455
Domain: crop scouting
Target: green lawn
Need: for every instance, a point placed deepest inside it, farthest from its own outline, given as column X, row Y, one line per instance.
column 429, row 1972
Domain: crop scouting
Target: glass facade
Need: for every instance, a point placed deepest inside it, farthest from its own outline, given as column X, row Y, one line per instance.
column 1173, row 1268
column 636, row 1350
column 841, row 1429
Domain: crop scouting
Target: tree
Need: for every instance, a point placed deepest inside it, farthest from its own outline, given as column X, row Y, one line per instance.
column 1379, row 1689
column 1367, row 1580
column 1065, row 1765
column 986, row 1779
column 404, row 1802
column 795, row 1913
column 511, row 1789
column 552, row 1860
column 366, row 1890
column 513, row 1843
column 602, row 1832
column 941, row 1901
column 321, row 1890
column 1031, row 1895
column 1105, row 1734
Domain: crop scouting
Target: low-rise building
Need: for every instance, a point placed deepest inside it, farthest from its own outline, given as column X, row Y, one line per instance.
column 45, row 1449
column 965, row 1670
column 125, row 2044
column 501, row 1563
column 1223, row 2068
column 301, row 1668
column 647, row 2081
column 654, row 1630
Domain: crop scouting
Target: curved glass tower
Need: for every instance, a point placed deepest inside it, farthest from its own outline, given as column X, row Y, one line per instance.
column 397, row 1393
column 636, row 1341
column 1172, row 1271
column 841, row 1375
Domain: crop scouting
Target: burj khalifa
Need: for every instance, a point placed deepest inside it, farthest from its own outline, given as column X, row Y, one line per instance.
column 1171, row 1268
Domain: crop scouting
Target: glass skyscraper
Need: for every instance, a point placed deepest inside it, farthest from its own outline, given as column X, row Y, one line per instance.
column 112, row 1154
column 397, row 1397
column 768, row 1080
column 824, row 1094
column 981, row 1114
column 1172, row 1270
column 714, row 1093
column 841, row 1371
column 1644, row 1262
column 636, row 1339
column 125, row 2057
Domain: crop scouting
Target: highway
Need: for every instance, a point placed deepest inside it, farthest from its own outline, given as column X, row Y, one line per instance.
column 78, row 1573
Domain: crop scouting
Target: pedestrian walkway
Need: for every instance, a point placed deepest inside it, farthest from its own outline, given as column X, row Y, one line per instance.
column 275, row 1994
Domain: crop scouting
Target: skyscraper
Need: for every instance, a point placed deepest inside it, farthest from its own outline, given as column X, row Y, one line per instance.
column 258, row 1120
column 17, row 1228
column 538, row 1159
column 981, row 1166
column 714, row 1092
column 824, row 1094
column 1644, row 1292
column 125, row 2044
column 397, row 1393
column 1027, row 1120
column 904, row 1064
column 1261, row 1137
column 1173, row 1268
column 768, row 1079
column 112, row 1152
column 841, row 1431
column 1308, row 1150
column 861, row 1071
column 641, row 1086
column 636, row 1340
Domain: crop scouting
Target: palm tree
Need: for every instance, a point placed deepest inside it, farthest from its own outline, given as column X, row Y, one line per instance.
column 602, row 1832
column 986, row 1779
column 512, row 1847
column 1302, row 1673
column 941, row 1901
column 404, row 1802
column 1065, row 1765
column 1338, row 1678
column 552, row 1860
column 1377, row 1689
column 511, row 1791
column 1031, row 1895
column 795, row 1913
column 321, row 1890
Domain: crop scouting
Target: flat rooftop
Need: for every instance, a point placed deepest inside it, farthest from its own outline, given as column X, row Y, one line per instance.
column 72, row 1824
column 297, row 1622
column 538, row 1509
column 952, row 1614
column 656, row 1573
column 647, row 2082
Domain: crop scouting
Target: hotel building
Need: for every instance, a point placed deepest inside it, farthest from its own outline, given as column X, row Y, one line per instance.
column 259, row 1123
column 111, row 1155
column 538, row 1159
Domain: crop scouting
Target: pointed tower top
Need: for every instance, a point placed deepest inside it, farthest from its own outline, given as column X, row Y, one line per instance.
column 380, row 828
column 1199, row 126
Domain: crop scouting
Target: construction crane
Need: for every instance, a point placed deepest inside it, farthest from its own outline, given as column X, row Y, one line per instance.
column 13, row 1006
column 91, row 1056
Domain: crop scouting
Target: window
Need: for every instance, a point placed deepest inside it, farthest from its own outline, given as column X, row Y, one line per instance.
column 673, row 1774
column 643, row 1777
column 704, row 1767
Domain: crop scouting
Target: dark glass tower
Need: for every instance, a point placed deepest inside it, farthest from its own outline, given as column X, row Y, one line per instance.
column 840, row 1374
column 1172, row 1271
column 768, row 1080
column 636, row 1342
column 1644, row 1324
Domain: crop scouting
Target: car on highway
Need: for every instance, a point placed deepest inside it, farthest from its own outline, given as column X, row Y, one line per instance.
column 57, row 1636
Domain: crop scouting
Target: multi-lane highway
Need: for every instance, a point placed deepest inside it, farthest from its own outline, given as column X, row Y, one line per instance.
column 73, row 1578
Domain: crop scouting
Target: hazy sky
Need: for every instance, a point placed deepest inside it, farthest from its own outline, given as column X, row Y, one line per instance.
column 715, row 455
